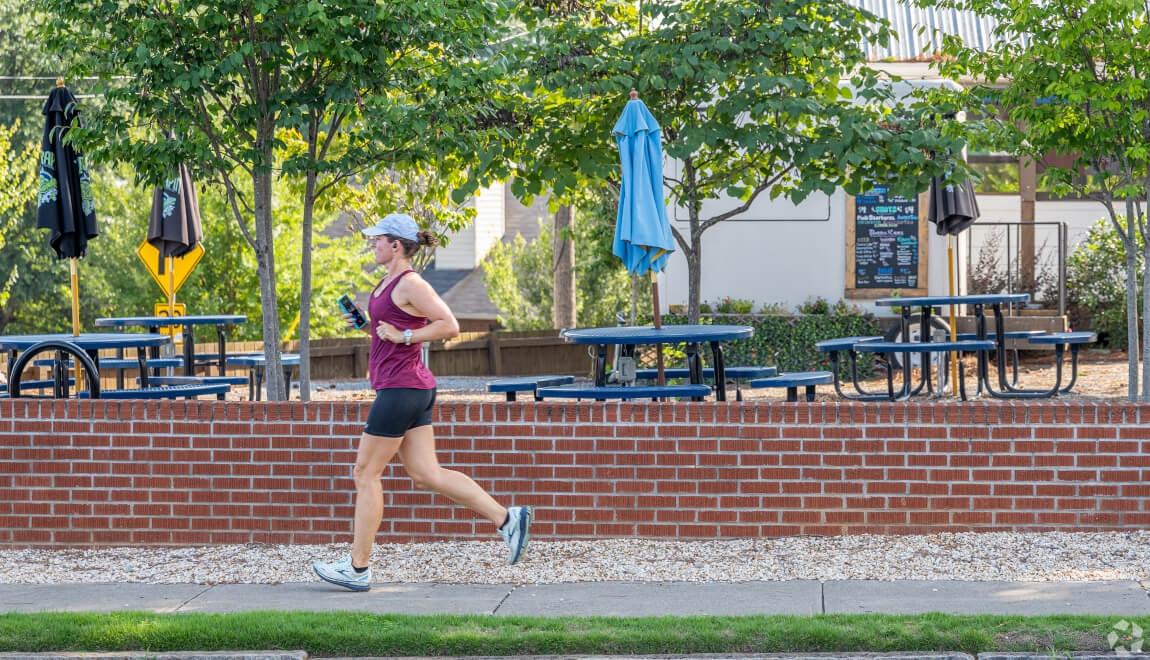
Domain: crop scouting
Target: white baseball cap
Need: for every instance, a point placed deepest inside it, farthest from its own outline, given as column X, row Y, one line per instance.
column 396, row 225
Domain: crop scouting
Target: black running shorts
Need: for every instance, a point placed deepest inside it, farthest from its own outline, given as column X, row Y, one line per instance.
column 398, row 410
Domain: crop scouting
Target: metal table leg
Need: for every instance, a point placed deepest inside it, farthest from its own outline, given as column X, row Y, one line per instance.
column 720, row 372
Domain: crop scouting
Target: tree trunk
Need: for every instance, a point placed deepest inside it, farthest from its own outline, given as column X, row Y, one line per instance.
column 305, row 267
column 1145, row 314
column 694, row 254
column 265, row 259
column 1131, row 245
column 563, row 270
column 694, row 279
column 305, row 290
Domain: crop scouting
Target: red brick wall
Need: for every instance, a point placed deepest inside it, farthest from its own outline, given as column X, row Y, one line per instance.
column 205, row 472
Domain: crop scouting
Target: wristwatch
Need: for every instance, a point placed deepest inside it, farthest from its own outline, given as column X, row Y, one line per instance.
column 407, row 337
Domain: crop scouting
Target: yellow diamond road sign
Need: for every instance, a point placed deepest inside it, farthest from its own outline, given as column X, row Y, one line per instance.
column 181, row 266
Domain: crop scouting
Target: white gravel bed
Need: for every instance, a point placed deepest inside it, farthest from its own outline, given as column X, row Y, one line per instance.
column 1076, row 557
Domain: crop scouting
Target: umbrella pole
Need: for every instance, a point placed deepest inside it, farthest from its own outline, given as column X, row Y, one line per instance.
column 661, row 374
column 171, row 287
column 176, row 335
column 75, row 297
column 950, row 277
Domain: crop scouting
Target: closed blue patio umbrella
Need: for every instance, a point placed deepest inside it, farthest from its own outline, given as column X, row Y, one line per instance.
column 643, row 237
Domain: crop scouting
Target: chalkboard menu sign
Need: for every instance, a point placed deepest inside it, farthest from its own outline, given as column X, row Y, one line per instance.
column 886, row 244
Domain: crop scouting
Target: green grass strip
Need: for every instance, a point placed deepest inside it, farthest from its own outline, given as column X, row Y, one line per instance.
column 360, row 634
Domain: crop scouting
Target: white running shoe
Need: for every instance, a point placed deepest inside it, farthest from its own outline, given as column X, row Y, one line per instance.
column 341, row 573
column 516, row 531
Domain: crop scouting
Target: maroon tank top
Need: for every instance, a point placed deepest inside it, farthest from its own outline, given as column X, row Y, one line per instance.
column 395, row 365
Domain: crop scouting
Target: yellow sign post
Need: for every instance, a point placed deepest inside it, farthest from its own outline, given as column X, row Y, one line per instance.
column 162, row 309
column 177, row 268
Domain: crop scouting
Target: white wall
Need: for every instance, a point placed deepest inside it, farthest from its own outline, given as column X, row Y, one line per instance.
column 777, row 252
column 1078, row 216
column 467, row 248
column 490, row 219
column 776, row 258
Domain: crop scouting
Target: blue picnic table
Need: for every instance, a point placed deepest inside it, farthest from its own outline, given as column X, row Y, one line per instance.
column 23, row 348
column 692, row 335
column 978, row 304
column 222, row 323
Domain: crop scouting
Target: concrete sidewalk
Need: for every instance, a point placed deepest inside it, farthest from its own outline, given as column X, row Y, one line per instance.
column 801, row 597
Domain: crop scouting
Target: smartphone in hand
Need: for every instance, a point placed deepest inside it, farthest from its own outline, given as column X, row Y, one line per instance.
column 349, row 307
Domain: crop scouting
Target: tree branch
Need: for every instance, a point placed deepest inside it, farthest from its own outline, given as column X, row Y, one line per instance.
column 710, row 222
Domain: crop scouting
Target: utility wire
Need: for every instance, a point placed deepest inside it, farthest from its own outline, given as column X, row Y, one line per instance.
column 39, row 97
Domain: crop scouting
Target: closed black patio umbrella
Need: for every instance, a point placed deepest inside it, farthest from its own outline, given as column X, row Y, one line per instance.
column 65, row 206
column 953, row 207
column 174, row 226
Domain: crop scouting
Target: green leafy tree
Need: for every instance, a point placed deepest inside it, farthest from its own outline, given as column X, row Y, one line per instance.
column 225, row 78
column 1096, row 282
column 116, row 282
column 418, row 77
column 1071, row 77
column 423, row 192
column 749, row 96
column 518, row 277
column 26, row 273
column 518, row 273
column 22, row 54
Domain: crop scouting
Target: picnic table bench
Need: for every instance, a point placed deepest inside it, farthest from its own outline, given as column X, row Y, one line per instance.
column 512, row 386
column 604, row 392
column 733, row 374
column 793, row 381
column 1060, row 340
column 907, row 348
column 255, row 363
column 119, row 365
column 185, row 391
column 42, row 384
column 1017, row 336
column 832, row 347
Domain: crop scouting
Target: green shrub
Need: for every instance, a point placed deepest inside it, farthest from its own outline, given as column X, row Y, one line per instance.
column 788, row 342
column 519, row 274
column 1096, row 284
column 815, row 307
column 730, row 305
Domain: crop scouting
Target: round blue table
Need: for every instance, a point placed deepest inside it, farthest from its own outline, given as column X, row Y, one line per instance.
column 222, row 322
column 692, row 335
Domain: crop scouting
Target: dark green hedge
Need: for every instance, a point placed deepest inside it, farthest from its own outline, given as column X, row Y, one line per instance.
column 788, row 342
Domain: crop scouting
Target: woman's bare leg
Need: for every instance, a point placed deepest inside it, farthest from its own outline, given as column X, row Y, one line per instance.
column 418, row 455
column 375, row 452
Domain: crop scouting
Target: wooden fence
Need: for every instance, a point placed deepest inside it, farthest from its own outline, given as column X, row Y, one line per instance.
column 500, row 353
